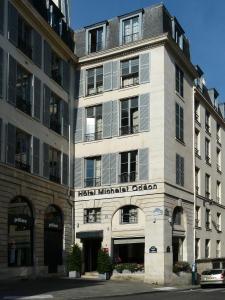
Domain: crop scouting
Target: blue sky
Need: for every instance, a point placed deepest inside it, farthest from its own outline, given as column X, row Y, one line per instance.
column 202, row 20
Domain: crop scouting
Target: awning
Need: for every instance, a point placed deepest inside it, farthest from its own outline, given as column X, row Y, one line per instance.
column 129, row 241
column 97, row 234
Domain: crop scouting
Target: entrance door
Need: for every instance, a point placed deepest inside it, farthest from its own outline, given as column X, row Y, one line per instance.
column 177, row 249
column 91, row 248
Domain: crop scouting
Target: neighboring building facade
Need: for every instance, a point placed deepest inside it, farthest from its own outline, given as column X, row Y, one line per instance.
column 134, row 145
column 36, row 153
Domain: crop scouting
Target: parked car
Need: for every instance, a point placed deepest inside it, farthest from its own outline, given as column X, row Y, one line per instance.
column 212, row 276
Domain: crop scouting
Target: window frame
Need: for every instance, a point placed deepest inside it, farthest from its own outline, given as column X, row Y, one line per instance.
column 131, row 17
column 180, row 178
column 88, row 30
column 19, row 164
column 128, row 177
column 130, row 75
column 97, row 135
column 95, row 81
column 56, row 175
column 131, row 129
column 94, row 179
column 129, row 213
column 179, row 117
column 179, row 81
column 96, row 217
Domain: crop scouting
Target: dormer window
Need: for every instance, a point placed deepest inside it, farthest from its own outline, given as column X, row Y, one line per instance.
column 96, row 39
column 130, row 28
column 178, row 33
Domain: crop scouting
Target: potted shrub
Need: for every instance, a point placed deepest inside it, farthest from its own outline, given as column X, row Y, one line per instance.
column 104, row 264
column 75, row 262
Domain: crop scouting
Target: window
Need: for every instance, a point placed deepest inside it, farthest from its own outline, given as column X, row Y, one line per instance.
column 179, row 170
column 218, row 248
column 131, row 29
column 24, row 37
column 197, row 248
column 197, row 172
column 23, row 90
column 129, row 215
column 207, row 219
column 177, row 33
column 96, row 39
column 177, row 216
column 218, row 191
column 92, row 215
column 218, row 133
column 207, row 151
column 129, row 72
column 207, row 248
column 93, row 123
column 128, row 166
column 207, row 121
column 197, row 216
column 95, row 81
column 56, row 68
column 197, row 144
column 93, row 171
column 179, row 81
column 179, row 122
column 207, row 186
column 218, row 222
column 197, row 111
column 23, row 145
column 55, row 113
column 129, row 116
column 54, row 165
column 218, row 160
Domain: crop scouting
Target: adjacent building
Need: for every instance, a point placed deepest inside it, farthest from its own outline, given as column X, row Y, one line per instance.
column 144, row 190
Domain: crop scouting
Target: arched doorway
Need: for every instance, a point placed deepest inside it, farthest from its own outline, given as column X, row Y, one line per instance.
column 178, row 234
column 20, row 233
column 53, row 238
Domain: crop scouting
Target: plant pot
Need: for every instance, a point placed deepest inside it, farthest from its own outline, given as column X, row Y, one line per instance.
column 104, row 276
column 74, row 274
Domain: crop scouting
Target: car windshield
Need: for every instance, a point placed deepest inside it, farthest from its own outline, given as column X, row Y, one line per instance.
column 212, row 272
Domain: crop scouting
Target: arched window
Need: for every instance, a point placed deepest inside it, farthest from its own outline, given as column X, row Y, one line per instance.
column 177, row 216
column 20, row 233
column 129, row 214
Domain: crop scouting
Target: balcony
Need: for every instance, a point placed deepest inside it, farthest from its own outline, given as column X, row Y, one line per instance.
column 92, row 182
column 23, row 105
column 129, row 130
column 54, row 178
column 19, row 164
column 93, row 136
column 127, row 177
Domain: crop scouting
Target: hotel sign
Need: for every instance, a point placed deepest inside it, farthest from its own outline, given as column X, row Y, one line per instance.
column 117, row 190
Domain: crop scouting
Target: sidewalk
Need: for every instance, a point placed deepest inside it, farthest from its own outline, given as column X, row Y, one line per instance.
column 64, row 288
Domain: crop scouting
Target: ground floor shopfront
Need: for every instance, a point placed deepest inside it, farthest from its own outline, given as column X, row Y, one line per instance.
column 35, row 221
column 150, row 229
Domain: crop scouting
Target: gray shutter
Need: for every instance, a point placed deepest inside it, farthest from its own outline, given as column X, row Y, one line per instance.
column 113, row 168
column 115, row 118
column 107, row 76
column 65, row 169
column 11, row 144
column 143, row 159
column 66, row 76
column 2, row 15
column 37, row 48
column 46, row 170
column 106, row 169
column 78, row 125
column 47, row 58
column 37, row 98
column 1, row 70
column 144, row 115
column 181, row 171
column 65, row 119
column 1, row 143
column 12, row 24
column 79, row 84
column 116, row 75
column 36, row 155
column 46, row 111
column 78, row 173
column 144, row 68
column 177, row 169
column 12, row 70
column 107, row 119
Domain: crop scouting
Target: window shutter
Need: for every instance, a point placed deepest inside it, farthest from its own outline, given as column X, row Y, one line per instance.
column 37, row 98
column 177, row 169
column 66, row 76
column 106, row 169
column 2, row 14
column 36, row 155
column 144, row 68
column 1, row 70
column 1, row 126
column 181, row 123
column 65, row 168
column 116, row 75
column 113, row 168
column 37, row 48
column 107, row 119
column 46, row 170
column 12, row 24
column 107, row 76
column 11, row 144
column 144, row 102
column 12, row 70
column 46, row 113
column 78, row 124
column 79, row 83
column 143, row 159
column 47, row 58
column 177, row 121
column 65, row 119
column 115, row 118
column 182, row 171
column 78, row 173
